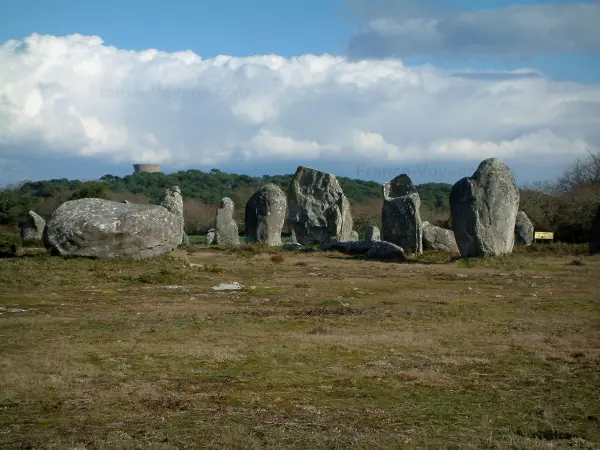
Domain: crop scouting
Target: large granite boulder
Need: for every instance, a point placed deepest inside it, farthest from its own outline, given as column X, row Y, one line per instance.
column 265, row 215
column 523, row 229
column 400, row 218
column 484, row 210
column 97, row 228
column 319, row 210
column 173, row 202
column 227, row 232
column 33, row 229
column 373, row 234
column 437, row 238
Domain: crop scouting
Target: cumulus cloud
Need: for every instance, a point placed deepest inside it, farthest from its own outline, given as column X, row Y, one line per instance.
column 76, row 96
column 400, row 28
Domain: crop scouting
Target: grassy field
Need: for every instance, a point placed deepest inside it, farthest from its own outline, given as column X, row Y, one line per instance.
column 315, row 351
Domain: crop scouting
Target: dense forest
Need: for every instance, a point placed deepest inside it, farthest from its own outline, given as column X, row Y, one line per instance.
column 566, row 207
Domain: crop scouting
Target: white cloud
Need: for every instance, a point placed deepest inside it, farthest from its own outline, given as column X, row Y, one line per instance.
column 403, row 28
column 74, row 96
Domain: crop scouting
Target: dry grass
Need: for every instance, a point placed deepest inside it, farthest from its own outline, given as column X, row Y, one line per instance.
column 316, row 351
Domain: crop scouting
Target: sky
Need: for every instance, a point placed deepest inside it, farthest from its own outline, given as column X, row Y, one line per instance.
column 361, row 88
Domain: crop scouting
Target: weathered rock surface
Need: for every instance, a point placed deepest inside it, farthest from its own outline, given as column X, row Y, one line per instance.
column 354, row 235
column 227, row 230
column 265, row 215
column 33, row 229
column 210, row 236
column 523, row 229
column 319, row 210
column 484, row 210
column 437, row 238
column 371, row 249
column 373, row 234
column 400, row 218
column 173, row 202
column 103, row 229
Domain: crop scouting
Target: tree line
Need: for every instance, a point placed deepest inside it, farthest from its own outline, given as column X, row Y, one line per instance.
column 566, row 207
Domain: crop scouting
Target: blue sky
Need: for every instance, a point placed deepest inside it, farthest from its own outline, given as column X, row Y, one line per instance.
column 267, row 115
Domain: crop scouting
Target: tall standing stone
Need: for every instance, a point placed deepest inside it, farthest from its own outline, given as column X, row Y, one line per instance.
column 33, row 229
column 172, row 201
column 265, row 215
column 523, row 229
column 226, row 229
column 400, row 218
column 319, row 210
column 484, row 210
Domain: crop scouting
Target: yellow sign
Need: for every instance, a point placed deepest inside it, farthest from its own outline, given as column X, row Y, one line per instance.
column 544, row 235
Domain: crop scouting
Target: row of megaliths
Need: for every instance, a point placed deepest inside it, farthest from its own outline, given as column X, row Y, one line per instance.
column 485, row 214
column 484, row 208
column 318, row 212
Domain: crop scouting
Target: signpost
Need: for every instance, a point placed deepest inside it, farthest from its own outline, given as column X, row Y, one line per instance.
column 543, row 236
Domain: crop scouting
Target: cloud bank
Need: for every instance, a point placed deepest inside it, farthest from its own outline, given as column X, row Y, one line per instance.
column 400, row 28
column 75, row 96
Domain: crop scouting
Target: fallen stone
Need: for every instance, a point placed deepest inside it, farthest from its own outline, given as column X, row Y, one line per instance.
column 439, row 239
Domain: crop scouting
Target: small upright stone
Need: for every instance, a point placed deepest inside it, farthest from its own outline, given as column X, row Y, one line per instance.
column 373, row 234
column 210, row 236
column 437, row 238
column 173, row 202
column 523, row 229
column 400, row 218
column 484, row 210
column 33, row 229
column 265, row 215
column 227, row 229
column 354, row 235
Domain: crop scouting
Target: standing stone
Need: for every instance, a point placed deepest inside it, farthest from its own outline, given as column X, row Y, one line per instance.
column 319, row 210
column 265, row 215
column 173, row 202
column 523, row 229
column 227, row 229
column 33, row 229
column 400, row 218
column 210, row 236
column 484, row 210
column 373, row 234
column 437, row 238
column 354, row 235
column 98, row 228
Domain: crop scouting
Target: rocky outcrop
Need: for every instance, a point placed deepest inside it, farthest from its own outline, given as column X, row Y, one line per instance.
column 373, row 234
column 33, row 229
column 523, row 229
column 227, row 230
column 437, row 238
column 265, row 215
column 103, row 229
column 319, row 210
column 400, row 218
column 484, row 210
